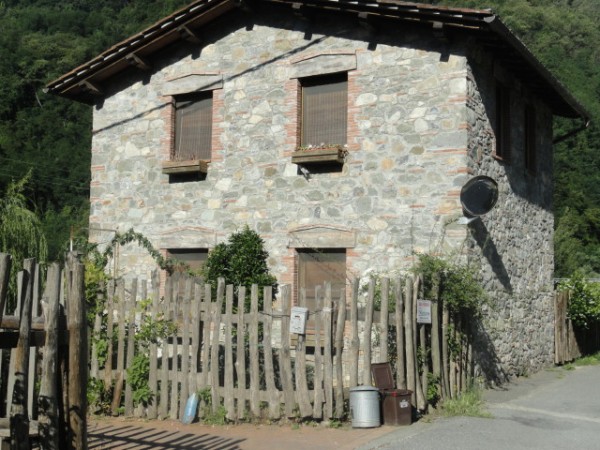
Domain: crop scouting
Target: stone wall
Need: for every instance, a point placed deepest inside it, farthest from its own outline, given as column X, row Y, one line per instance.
column 513, row 244
column 418, row 129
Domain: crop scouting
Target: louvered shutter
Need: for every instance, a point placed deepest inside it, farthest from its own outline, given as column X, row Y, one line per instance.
column 193, row 132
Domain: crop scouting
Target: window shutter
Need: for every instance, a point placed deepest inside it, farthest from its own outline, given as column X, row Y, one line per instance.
column 193, row 132
column 324, row 110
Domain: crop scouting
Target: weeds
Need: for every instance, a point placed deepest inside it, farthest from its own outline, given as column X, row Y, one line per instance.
column 469, row 403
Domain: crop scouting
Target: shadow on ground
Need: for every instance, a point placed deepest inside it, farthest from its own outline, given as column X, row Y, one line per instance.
column 138, row 438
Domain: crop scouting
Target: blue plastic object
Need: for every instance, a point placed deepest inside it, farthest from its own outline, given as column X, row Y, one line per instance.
column 190, row 409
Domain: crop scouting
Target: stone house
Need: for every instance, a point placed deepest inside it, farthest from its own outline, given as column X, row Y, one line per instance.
column 342, row 132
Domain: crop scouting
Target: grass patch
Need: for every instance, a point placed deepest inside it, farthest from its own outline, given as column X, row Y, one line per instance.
column 469, row 403
column 591, row 360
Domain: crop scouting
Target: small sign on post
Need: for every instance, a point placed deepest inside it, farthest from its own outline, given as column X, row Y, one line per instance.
column 298, row 318
column 424, row 311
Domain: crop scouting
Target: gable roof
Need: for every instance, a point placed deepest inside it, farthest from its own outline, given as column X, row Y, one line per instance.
column 84, row 82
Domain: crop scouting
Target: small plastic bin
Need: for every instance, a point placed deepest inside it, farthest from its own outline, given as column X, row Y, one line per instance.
column 396, row 404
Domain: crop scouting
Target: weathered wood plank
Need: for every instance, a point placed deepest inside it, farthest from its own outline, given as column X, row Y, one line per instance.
column 110, row 306
column 152, row 410
column 19, row 414
column 5, row 266
column 240, row 362
column 163, row 400
column 409, row 339
column 384, row 319
column 78, row 356
column 367, row 334
column 228, row 401
column 285, row 360
column 302, row 396
column 130, row 353
column 206, row 319
column 327, row 356
column 174, row 372
column 318, row 368
column 339, row 348
column 48, row 398
column 214, row 355
column 185, row 345
column 400, row 347
column 354, row 340
column 274, row 405
column 119, row 373
column 254, row 353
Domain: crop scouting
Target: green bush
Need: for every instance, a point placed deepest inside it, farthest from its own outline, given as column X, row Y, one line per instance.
column 584, row 301
column 241, row 261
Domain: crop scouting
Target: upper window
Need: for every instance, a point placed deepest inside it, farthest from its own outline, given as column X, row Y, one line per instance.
column 502, row 126
column 324, row 117
column 530, row 139
column 193, row 127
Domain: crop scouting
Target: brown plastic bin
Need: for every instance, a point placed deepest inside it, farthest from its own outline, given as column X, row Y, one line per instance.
column 396, row 404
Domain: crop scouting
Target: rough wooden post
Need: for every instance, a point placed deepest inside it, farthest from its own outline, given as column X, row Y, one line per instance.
column 339, row 347
column 130, row 353
column 367, row 334
column 400, row 350
column 254, row 353
column 354, row 340
column 78, row 357
column 5, row 265
column 285, row 359
column 385, row 320
column 48, row 398
column 240, row 363
column 19, row 415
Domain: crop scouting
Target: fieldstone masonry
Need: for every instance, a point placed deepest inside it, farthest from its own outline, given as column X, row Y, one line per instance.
column 420, row 111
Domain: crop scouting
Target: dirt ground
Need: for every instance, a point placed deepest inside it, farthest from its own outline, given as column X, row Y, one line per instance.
column 136, row 434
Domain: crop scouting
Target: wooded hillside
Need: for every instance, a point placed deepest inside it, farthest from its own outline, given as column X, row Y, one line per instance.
column 42, row 39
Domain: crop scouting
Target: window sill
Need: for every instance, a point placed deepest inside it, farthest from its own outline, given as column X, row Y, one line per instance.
column 185, row 167
column 319, row 155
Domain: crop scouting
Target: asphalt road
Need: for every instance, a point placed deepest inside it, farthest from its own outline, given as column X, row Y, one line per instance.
column 554, row 409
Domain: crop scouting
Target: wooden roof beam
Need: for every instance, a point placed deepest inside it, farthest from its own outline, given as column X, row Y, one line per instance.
column 88, row 86
column 137, row 61
column 189, row 35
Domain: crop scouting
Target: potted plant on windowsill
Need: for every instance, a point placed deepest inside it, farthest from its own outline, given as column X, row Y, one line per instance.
column 323, row 153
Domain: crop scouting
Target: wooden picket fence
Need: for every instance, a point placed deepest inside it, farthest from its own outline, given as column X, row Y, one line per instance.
column 47, row 350
column 245, row 362
column 569, row 342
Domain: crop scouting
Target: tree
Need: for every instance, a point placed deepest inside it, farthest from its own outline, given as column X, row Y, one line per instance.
column 21, row 231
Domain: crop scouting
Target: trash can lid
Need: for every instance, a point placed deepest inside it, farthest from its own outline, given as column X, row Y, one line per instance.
column 363, row 388
column 382, row 374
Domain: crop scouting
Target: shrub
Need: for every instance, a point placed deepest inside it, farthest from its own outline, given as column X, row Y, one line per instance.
column 241, row 261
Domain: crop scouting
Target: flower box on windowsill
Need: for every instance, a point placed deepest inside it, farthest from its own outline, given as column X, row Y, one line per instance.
column 185, row 167
column 312, row 155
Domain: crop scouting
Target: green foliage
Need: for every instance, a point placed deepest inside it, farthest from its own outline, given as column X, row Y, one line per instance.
column 433, row 389
column 469, row 403
column 98, row 397
column 137, row 377
column 210, row 417
column 459, row 288
column 241, row 261
column 584, row 301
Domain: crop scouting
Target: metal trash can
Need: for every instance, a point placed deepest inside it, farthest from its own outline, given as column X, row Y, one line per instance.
column 364, row 407
column 396, row 404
